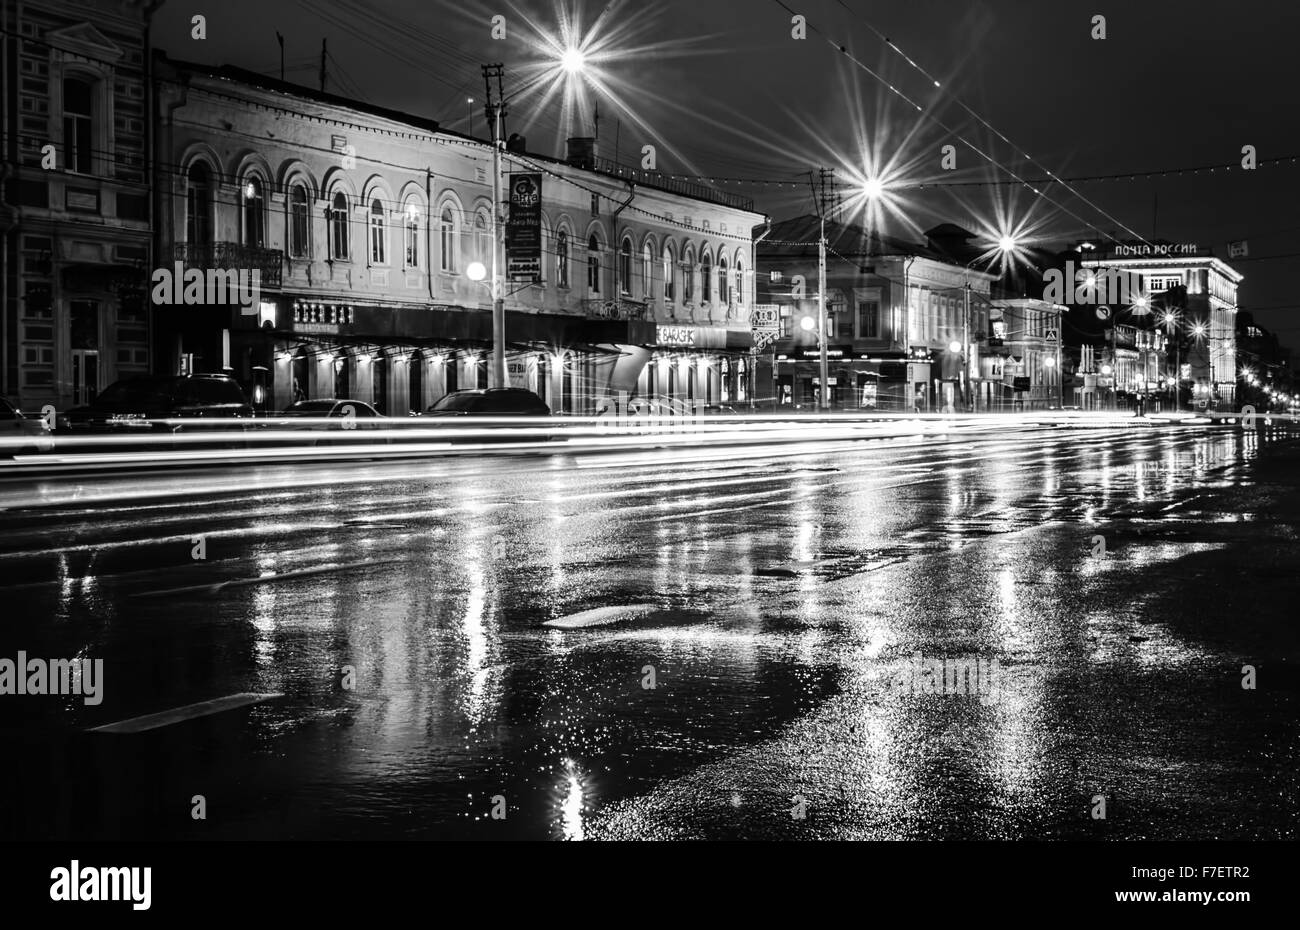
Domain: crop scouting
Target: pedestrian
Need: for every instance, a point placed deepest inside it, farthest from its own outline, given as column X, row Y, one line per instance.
column 298, row 395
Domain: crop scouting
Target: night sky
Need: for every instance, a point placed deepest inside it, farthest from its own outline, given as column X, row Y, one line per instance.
column 721, row 89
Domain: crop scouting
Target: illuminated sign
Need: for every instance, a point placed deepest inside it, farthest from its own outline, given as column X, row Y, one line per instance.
column 680, row 336
column 321, row 319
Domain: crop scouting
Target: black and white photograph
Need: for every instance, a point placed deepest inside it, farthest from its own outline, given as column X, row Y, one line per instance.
column 852, row 428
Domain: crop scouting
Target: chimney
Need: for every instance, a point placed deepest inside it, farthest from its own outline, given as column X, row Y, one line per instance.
column 582, row 152
column 517, row 143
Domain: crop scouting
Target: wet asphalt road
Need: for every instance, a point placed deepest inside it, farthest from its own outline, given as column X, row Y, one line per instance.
column 777, row 598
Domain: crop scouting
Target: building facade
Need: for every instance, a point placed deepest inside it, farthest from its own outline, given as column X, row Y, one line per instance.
column 898, row 315
column 1204, row 327
column 371, row 231
column 75, row 199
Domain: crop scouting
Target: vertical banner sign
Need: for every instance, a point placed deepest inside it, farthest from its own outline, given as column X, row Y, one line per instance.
column 524, row 229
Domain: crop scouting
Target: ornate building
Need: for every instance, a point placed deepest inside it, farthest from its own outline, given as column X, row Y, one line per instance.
column 74, row 198
column 365, row 227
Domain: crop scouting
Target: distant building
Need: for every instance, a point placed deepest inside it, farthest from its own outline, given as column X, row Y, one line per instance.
column 74, row 198
column 895, row 310
column 1206, row 325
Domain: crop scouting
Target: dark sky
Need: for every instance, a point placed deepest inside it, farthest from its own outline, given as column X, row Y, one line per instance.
column 721, row 89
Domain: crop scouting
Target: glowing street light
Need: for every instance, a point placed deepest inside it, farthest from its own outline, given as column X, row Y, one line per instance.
column 476, row 272
column 807, row 324
column 573, row 61
column 873, row 188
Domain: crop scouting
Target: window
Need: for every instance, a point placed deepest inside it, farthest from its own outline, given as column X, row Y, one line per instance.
column 868, row 319
column 198, row 206
column 562, row 258
column 298, row 221
column 670, row 289
column 254, row 213
column 688, row 276
column 411, row 235
column 838, row 320
column 647, row 272
column 740, row 283
column 378, row 234
column 706, row 279
column 625, row 268
column 595, row 204
column 339, row 228
column 447, row 240
column 78, row 124
column 482, row 238
column 724, row 282
column 593, row 265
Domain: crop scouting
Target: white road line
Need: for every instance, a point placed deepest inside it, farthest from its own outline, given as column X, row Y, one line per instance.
column 181, row 714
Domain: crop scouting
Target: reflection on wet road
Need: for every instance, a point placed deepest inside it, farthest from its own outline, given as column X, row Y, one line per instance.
column 745, row 648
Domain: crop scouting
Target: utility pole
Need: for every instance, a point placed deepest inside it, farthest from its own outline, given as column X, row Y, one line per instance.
column 323, row 53
column 965, row 349
column 824, row 364
column 496, row 109
column 279, row 38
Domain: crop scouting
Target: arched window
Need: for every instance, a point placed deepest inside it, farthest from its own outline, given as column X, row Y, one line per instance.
column 593, row 265
column 647, row 272
column 670, row 275
column 298, row 246
column 724, row 282
column 706, row 278
column 447, row 240
column 378, row 234
column 198, row 206
column 482, row 238
column 339, row 228
column 254, row 213
column 688, row 275
column 78, row 124
column 740, row 282
column 411, row 235
column 562, row 259
column 625, row 268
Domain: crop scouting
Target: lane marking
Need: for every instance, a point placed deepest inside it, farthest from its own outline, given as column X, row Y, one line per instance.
column 216, row 587
column 181, row 714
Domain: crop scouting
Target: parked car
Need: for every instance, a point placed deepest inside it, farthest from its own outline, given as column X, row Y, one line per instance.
column 332, row 414
column 136, row 408
column 493, row 402
column 21, row 434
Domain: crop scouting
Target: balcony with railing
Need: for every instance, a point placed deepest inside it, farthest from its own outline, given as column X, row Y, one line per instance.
column 232, row 256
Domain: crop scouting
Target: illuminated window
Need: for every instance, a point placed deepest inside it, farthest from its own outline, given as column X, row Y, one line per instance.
column 254, row 213
column 562, row 259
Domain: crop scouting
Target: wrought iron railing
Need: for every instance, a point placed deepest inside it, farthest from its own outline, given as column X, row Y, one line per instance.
column 232, row 256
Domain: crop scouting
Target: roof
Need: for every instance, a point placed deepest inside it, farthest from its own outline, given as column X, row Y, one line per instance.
column 605, row 167
column 844, row 239
column 274, row 85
